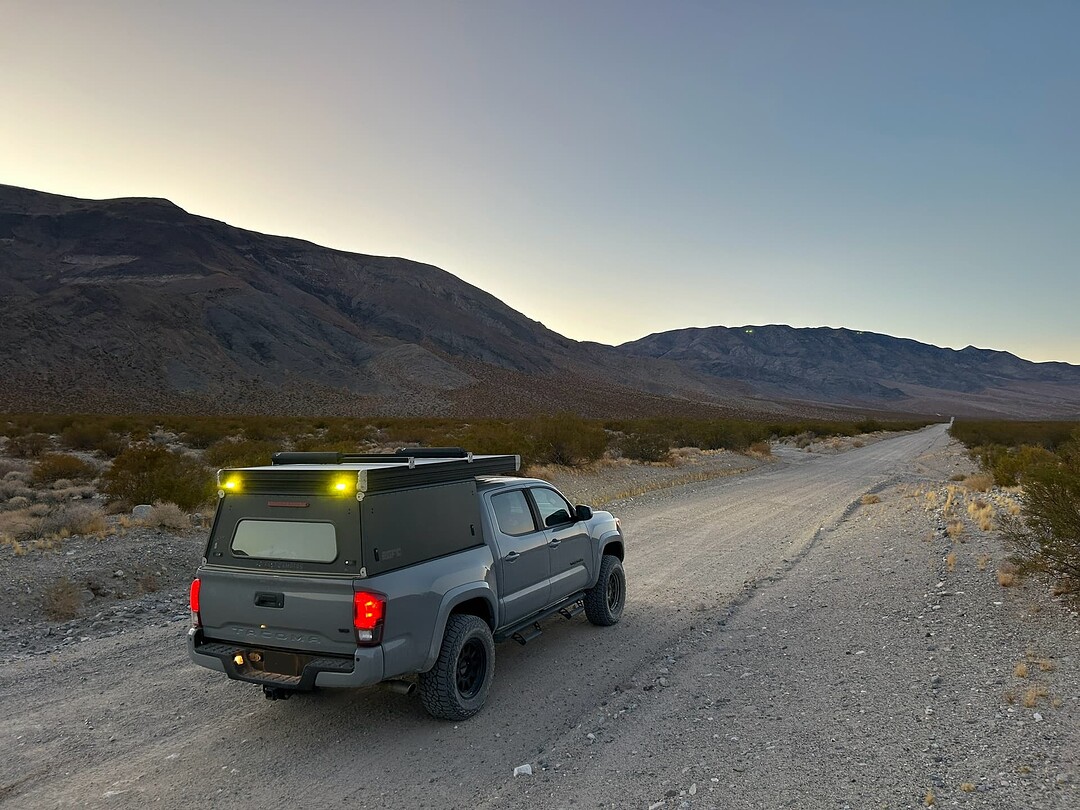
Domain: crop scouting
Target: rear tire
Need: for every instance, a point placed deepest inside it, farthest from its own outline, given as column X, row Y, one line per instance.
column 457, row 686
column 605, row 600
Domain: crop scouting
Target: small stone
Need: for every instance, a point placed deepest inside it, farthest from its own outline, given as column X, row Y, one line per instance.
column 119, row 574
column 523, row 770
column 1038, row 717
column 142, row 511
column 663, row 681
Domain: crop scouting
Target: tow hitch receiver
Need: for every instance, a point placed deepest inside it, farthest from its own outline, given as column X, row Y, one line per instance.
column 276, row 693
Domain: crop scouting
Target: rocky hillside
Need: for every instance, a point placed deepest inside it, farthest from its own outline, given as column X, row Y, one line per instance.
column 841, row 365
column 136, row 305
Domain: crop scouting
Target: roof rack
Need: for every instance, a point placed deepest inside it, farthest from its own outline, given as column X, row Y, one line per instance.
column 322, row 457
column 438, row 470
column 379, row 472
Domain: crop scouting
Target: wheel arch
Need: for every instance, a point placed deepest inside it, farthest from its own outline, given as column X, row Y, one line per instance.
column 475, row 599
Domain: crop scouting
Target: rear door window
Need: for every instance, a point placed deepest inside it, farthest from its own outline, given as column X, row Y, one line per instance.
column 294, row 540
column 512, row 513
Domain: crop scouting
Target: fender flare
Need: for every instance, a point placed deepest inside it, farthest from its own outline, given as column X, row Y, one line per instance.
column 614, row 537
column 450, row 600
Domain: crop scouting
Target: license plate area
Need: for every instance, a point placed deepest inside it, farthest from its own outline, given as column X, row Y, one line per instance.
column 274, row 663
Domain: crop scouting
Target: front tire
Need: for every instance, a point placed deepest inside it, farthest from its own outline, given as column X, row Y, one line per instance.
column 605, row 600
column 457, row 686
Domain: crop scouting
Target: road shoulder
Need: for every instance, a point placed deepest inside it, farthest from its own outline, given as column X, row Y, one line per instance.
column 879, row 672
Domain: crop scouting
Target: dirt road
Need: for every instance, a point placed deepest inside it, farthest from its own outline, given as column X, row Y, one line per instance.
column 126, row 721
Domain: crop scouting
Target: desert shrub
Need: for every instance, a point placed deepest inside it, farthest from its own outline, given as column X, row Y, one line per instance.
column 28, row 445
column 205, row 432
column 763, row 448
column 567, row 439
column 10, row 468
column 53, row 467
column 244, row 453
column 167, row 516
column 1007, row 433
column 1009, row 466
column 495, row 436
column 650, row 447
column 1048, row 536
column 91, row 435
column 62, row 600
column 71, row 519
column 19, row 524
column 145, row 473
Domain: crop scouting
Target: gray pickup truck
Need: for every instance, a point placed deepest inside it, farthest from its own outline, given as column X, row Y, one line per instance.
column 338, row 570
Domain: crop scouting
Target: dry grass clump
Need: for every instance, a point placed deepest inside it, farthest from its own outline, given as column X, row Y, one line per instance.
column 954, row 528
column 1007, row 575
column 980, row 482
column 1032, row 695
column 760, row 449
column 62, row 600
column 1021, row 670
column 869, row 498
column 982, row 561
column 930, row 799
column 931, row 500
column 167, row 516
column 967, row 787
column 982, row 513
column 950, row 561
column 950, row 499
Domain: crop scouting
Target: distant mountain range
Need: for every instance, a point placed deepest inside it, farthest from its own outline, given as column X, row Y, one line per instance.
column 136, row 305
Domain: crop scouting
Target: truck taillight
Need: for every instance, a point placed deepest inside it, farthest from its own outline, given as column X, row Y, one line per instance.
column 368, row 612
column 193, row 599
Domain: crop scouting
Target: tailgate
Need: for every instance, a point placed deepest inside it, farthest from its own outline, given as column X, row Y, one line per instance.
column 284, row 611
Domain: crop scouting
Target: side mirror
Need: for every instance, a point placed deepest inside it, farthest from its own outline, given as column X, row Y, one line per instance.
column 557, row 518
column 582, row 512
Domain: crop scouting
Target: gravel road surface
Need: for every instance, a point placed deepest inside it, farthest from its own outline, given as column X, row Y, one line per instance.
column 728, row 683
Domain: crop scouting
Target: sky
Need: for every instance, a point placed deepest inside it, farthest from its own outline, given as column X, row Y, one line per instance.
column 611, row 169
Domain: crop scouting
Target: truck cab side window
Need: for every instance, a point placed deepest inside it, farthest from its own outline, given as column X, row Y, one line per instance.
column 553, row 508
column 512, row 513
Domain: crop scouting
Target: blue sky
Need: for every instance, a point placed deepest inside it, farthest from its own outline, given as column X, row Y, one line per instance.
column 611, row 169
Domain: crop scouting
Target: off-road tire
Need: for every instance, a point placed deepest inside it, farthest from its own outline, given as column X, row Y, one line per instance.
column 605, row 600
column 457, row 686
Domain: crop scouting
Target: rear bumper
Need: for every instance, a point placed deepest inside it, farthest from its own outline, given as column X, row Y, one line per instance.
column 363, row 669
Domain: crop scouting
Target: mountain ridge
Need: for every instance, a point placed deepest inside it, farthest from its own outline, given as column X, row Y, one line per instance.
column 135, row 304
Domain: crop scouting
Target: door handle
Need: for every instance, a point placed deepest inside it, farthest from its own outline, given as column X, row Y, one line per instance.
column 513, row 555
column 554, row 543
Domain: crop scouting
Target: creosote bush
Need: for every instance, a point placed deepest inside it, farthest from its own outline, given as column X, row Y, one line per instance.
column 145, row 473
column 53, row 467
column 1048, row 536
